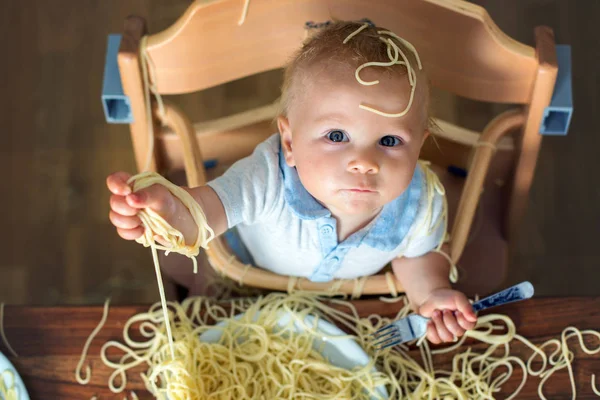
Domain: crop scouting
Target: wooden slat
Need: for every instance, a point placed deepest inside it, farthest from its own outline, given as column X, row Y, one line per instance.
column 230, row 138
column 464, row 51
column 531, row 138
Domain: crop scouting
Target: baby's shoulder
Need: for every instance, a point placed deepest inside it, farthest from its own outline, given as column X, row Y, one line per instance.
column 262, row 166
column 269, row 148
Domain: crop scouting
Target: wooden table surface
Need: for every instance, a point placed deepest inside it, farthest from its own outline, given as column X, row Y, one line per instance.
column 49, row 341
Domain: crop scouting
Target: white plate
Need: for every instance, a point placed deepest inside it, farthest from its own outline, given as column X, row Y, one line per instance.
column 343, row 352
column 4, row 365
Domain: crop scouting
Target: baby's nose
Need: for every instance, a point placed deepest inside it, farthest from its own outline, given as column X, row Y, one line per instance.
column 363, row 165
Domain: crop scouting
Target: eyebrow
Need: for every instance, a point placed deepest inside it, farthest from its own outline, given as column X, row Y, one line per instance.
column 332, row 117
column 340, row 117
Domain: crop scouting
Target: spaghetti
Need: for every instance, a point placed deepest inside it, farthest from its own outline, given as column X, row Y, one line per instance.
column 3, row 335
column 244, row 12
column 8, row 391
column 397, row 51
column 253, row 359
column 155, row 225
column 88, row 373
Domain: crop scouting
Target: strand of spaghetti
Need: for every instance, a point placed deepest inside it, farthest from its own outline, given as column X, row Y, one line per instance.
column 292, row 281
column 153, row 80
column 335, row 286
column 244, row 272
column 3, row 335
column 390, row 299
column 163, row 298
column 88, row 373
column 453, row 268
column 244, row 12
column 374, row 64
column 149, row 82
column 594, row 388
column 434, row 184
column 356, row 32
column 359, row 285
column 567, row 361
column 149, row 122
column 406, row 43
column 539, row 352
column 389, row 278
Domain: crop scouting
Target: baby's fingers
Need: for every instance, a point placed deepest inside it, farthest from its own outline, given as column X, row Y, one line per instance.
column 130, row 234
column 124, row 221
column 120, row 206
column 462, row 321
column 441, row 328
column 463, row 305
column 117, row 183
column 155, row 197
column 432, row 334
column 450, row 320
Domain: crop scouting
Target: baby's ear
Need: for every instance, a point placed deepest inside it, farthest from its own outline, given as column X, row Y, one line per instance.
column 426, row 134
column 286, row 139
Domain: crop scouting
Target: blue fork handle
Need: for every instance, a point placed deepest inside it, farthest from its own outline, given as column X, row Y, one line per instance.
column 522, row 291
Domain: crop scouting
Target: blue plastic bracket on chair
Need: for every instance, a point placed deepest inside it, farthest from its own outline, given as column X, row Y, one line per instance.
column 117, row 108
column 557, row 116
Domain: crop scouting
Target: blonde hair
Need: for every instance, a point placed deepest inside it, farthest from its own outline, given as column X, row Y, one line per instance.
column 328, row 47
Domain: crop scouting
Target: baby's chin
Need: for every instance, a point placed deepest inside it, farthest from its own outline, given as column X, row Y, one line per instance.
column 357, row 207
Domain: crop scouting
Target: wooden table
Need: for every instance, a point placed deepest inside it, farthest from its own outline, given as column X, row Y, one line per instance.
column 49, row 341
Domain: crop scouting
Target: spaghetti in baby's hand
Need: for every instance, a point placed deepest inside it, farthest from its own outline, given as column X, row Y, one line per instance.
column 127, row 202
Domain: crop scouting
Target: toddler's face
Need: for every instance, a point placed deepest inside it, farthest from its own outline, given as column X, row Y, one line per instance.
column 353, row 161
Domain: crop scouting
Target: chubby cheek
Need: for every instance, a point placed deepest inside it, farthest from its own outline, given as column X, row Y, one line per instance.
column 395, row 180
column 317, row 174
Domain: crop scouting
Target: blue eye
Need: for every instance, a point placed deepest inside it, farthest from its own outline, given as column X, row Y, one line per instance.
column 390, row 141
column 337, row 136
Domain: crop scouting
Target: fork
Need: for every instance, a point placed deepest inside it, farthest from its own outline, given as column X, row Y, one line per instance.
column 415, row 326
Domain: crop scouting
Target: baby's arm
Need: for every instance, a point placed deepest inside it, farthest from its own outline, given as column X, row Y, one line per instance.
column 421, row 275
column 425, row 281
column 125, row 205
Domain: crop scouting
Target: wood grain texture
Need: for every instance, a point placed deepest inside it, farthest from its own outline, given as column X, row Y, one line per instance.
column 464, row 51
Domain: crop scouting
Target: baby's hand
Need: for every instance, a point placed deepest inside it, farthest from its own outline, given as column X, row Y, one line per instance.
column 124, row 206
column 451, row 315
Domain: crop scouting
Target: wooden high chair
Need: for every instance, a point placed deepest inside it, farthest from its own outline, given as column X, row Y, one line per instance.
column 463, row 52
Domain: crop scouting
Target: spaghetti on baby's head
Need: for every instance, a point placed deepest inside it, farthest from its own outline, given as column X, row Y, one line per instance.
column 354, row 132
column 344, row 46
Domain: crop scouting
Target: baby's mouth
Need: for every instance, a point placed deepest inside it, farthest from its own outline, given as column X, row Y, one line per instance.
column 361, row 189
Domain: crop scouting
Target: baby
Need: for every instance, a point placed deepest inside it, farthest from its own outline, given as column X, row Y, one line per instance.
column 338, row 192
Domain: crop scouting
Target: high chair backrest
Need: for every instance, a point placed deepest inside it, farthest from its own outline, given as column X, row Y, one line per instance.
column 462, row 50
